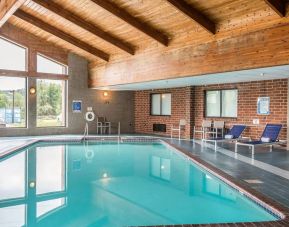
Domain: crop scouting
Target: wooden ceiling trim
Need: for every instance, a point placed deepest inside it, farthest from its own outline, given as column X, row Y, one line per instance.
column 133, row 21
column 262, row 48
column 60, row 34
column 194, row 14
column 7, row 8
column 73, row 18
column 279, row 6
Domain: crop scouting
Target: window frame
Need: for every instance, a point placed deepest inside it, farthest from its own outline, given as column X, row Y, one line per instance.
column 65, row 104
column 53, row 60
column 21, row 46
column 221, row 102
column 151, row 99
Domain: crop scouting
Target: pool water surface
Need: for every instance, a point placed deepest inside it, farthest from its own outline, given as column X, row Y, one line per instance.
column 115, row 184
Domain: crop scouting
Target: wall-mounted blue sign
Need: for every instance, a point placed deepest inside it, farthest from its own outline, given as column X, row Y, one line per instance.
column 76, row 106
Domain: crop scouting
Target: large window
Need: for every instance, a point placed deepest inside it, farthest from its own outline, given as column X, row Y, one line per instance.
column 161, row 104
column 47, row 65
column 51, row 93
column 222, row 103
column 13, row 56
column 51, row 96
column 12, row 102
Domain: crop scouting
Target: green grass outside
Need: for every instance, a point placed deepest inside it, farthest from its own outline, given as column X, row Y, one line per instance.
column 49, row 123
column 41, row 122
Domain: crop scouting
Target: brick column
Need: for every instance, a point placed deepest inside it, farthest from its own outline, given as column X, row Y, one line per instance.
column 288, row 115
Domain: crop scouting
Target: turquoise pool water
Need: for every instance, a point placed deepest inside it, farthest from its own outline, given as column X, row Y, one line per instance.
column 110, row 185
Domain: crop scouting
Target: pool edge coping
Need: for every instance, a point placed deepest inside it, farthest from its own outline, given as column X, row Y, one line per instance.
column 260, row 199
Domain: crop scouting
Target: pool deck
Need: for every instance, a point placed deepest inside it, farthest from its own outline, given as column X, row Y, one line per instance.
column 266, row 172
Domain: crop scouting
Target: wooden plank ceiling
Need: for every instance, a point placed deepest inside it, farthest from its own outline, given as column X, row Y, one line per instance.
column 113, row 30
column 7, row 8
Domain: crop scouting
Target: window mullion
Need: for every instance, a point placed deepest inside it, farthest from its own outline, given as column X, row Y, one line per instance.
column 221, row 103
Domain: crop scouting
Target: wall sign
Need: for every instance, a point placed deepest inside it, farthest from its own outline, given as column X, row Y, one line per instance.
column 76, row 106
column 263, row 106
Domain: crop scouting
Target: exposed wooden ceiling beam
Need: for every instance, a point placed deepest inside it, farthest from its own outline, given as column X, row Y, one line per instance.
column 60, row 34
column 194, row 14
column 57, row 9
column 7, row 8
column 279, row 6
column 133, row 21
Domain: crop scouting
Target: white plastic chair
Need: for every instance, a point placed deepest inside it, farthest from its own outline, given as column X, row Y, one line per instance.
column 102, row 124
column 178, row 127
column 2, row 124
column 218, row 126
column 206, row 125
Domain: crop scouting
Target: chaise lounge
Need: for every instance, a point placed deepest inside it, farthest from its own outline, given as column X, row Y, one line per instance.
column 269, row 138
column 232, row 136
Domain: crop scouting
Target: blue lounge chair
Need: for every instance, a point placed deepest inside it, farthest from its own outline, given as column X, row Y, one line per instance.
column 232, row 136
column 269, row 138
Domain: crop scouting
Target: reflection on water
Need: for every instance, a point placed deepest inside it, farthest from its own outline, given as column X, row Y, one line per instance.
column 161, row 167
column 43, row 167
column 12, row 216
column 12, row 177
column 108, row 185
column 47, row 206
column 50, row 175
column 214, row 187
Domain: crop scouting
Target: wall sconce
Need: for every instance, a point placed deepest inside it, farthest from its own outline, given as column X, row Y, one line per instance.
column 105, row 93
column 105, row 97
column 32, row 90
column 32, row 184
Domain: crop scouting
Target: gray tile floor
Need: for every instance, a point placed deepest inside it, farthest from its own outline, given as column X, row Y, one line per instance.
column 270, row 184
column 279, row 157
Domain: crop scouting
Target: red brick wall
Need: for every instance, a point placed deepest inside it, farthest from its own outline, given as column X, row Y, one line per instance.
column 181, row 109
column 188, row 103
column 248, row 94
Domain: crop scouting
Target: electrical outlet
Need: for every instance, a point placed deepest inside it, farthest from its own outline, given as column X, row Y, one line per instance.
column 255, row 121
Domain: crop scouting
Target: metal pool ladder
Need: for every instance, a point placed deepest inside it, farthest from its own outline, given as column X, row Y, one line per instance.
column 85, row 134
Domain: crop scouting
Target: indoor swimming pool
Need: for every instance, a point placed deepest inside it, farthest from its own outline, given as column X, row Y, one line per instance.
column 109, row 184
